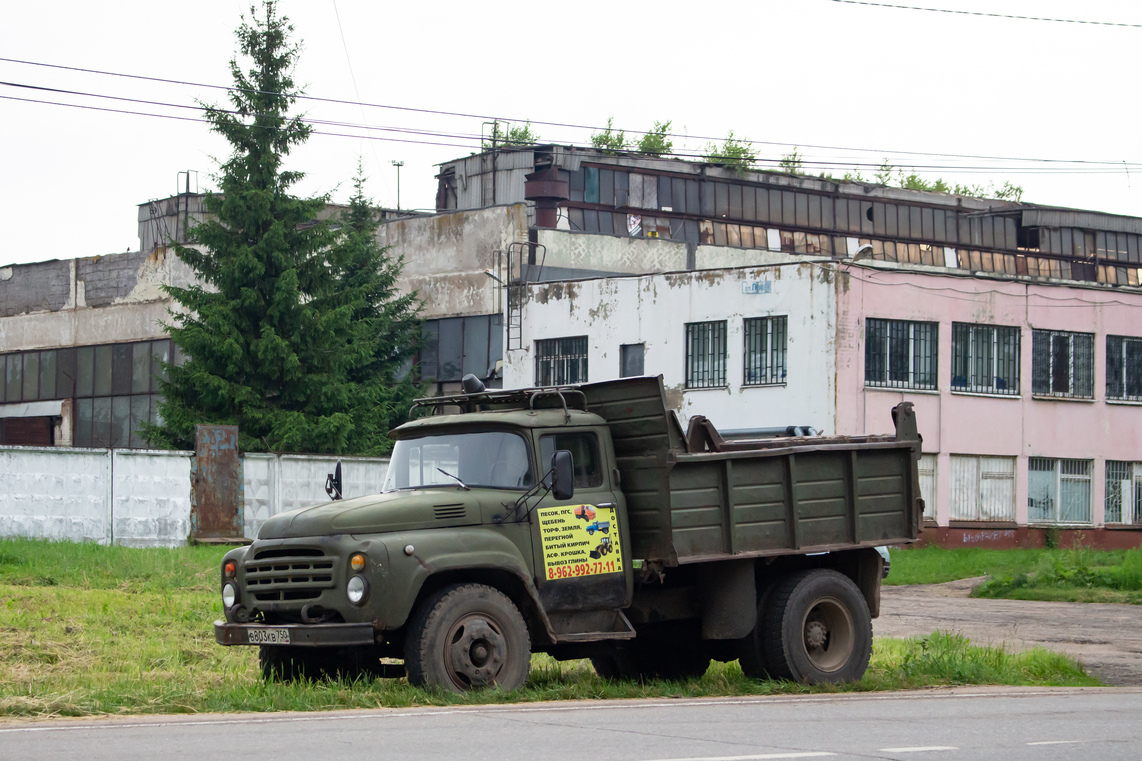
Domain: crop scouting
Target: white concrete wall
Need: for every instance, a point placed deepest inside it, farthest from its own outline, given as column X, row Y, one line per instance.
column 150, row 498
column 141, row 498
column 654, row 310
column 273, row 484
column 55, row 493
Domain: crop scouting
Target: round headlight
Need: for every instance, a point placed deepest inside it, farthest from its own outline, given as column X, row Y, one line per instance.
column 355, row 590
column 229, row 595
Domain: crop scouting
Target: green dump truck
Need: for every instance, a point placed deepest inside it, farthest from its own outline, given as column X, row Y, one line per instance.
column 479, row 550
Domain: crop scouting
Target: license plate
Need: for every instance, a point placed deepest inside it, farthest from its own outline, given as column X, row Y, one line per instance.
column 268, row 636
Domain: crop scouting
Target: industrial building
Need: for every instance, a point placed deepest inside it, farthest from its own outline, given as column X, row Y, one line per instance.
column 764, row 299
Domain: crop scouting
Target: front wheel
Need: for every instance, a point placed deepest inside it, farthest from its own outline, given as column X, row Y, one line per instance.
column 816, row 628
column 465, row 637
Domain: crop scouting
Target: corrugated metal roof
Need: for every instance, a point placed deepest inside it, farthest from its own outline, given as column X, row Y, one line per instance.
column 1090, row 220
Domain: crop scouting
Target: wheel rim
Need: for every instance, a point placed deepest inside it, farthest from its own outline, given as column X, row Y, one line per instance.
column 476, row 651
column 828, row 634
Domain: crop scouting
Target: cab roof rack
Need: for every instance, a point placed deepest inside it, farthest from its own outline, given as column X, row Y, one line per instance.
column 480, row 399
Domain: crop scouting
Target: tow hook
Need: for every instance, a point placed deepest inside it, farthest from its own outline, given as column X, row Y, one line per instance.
column 314, row 614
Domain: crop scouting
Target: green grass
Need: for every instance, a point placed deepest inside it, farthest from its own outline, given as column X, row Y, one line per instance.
column 936, row 565
column 1078, row 574
column 29, row 562
column 89, row 630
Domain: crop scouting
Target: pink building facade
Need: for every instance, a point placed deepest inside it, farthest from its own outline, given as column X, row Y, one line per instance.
column 1026, row 394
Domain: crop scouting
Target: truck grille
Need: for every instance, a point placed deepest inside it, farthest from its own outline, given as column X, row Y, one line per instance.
column 293, row 573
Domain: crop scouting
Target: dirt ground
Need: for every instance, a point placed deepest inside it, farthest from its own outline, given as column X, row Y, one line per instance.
column 1106, row 639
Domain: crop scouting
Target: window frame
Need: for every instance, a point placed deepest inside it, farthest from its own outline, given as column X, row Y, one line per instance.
column 973, row 489
column 760, row 339
column 914, row 343
column 1059, row 478
column 993, row 338
column 706, row 367
column 1123, row 482
column 558, row 362
column 1118, row 380
column 1045, row 364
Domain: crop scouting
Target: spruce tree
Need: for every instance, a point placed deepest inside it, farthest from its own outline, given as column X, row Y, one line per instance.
column 383, row 330
column 271, row 343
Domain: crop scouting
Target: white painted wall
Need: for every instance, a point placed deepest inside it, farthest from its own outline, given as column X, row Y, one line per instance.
column 141, row 498
column 654, row 309
column 55, row 493
column 273, row 484
column 150, row 498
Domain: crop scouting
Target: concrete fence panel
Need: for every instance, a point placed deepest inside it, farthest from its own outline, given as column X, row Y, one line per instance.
column 151, row 498
column 273, row 484
column 141, row 498
column 55, row 493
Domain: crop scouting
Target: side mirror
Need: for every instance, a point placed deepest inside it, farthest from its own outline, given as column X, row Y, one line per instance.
column 333, row 483
column 562, row 475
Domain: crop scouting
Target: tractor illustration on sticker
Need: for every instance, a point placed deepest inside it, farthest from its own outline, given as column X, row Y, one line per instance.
column 604, row 526
column 605, row 548
column 586, row 512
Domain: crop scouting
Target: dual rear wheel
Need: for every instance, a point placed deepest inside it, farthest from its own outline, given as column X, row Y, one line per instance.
column 812, row 627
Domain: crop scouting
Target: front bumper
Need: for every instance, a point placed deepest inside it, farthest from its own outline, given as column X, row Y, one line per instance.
column 301, row 635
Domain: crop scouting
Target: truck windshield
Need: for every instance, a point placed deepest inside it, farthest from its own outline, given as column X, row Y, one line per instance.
column 492, row 459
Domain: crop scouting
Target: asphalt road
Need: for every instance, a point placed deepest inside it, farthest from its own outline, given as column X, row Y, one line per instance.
column 939, row 725
column 1106, row 639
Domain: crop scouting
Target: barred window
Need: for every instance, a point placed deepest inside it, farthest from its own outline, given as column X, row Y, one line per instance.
column 1124, row 368
column 1123, row 492
column 765, row 347
column 900, row 354
column 706, row 354
column 1058, row 490
column 985, row 358
column 559, row 361
column 1062, row 364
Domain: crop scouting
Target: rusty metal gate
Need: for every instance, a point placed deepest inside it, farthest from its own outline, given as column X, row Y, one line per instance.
column 216, row 484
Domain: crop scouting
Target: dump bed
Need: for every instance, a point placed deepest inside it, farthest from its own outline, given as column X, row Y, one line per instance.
column 694, row 497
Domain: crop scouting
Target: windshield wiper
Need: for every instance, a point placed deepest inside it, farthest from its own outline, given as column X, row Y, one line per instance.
column 454, row 478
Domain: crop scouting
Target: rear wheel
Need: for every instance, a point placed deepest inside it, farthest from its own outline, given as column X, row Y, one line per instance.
column 465, row 637
column 816, row 628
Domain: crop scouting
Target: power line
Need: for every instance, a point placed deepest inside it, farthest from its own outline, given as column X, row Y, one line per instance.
column 357, row 92
column 821, row 165
column 438, row 112
column 991, row 15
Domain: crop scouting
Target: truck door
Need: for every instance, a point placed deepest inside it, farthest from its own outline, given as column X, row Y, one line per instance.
column 581, row 545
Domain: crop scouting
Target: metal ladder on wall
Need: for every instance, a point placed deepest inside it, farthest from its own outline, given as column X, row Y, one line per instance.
column 520, row 263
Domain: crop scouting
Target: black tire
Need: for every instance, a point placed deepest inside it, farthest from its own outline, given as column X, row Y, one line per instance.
column 816, row 629
column 750, row 648
column 465, row 637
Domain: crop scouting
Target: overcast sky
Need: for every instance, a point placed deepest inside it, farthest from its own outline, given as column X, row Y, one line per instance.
column 973, row 99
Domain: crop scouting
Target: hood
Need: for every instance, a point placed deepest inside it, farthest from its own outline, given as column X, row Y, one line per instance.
column 378, row 513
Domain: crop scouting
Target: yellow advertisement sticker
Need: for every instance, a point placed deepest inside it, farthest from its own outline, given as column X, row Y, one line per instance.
column 580, row 540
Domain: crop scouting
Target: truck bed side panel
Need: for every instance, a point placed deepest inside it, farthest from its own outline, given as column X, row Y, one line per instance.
column 766, row 503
